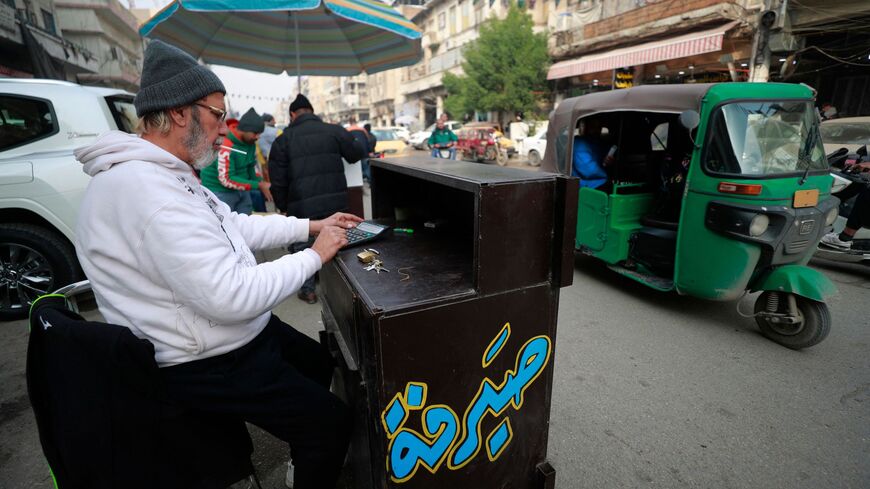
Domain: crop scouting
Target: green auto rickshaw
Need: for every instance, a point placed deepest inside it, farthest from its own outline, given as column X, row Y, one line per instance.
column 711, row 190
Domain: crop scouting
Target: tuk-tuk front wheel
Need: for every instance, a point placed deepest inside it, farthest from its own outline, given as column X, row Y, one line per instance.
column 791, row 320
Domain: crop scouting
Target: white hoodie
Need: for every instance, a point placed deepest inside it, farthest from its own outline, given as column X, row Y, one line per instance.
column 170, row 261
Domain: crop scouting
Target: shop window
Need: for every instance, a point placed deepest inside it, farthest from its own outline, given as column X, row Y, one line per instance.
column 24, row 120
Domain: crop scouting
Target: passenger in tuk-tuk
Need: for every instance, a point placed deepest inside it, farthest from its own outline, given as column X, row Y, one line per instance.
column 591, row 156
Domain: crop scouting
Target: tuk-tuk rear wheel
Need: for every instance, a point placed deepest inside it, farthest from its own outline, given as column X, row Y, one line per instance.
column 813, row 326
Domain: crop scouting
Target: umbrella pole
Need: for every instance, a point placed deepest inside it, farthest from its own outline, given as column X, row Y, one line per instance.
column 298, row 69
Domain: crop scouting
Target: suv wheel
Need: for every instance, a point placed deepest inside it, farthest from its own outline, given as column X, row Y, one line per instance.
column 33, row 261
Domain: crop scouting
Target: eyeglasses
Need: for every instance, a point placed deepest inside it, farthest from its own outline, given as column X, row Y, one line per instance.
column 219, row 113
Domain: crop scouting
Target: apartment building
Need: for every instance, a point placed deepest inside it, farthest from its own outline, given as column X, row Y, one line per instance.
column 109, row 31
column 448, row 26
column 32, row 44
column 339, row 99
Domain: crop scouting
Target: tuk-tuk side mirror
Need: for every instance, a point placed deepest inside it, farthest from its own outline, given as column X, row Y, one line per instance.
column 690, row 119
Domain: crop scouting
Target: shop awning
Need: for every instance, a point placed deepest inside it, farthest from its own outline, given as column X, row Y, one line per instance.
column 692, row 44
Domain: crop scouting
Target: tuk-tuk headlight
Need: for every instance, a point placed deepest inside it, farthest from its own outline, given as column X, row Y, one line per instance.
column 831, row 215
column 759, row 225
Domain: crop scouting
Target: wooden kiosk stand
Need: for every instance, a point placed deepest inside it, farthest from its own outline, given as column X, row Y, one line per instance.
column 447, row 359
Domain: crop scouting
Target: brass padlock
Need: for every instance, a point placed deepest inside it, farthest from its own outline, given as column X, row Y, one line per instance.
column 366, row 256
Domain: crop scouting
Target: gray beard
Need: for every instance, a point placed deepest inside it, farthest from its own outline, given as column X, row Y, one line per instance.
column 205, row 159
column 200, row 150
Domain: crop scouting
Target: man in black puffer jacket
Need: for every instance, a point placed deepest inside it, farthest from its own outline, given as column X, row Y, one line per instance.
column 307, row 173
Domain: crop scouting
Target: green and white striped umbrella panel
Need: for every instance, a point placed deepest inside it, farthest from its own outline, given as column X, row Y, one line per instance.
column 335, row 37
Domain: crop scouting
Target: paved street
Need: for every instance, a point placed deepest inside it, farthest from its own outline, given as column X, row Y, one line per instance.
column 651, row 390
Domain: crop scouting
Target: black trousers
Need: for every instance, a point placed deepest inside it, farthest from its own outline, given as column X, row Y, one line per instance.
column 279, row 382
column 860, row 215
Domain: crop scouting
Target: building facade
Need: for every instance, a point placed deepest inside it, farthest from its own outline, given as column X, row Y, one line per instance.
column 339, row 99
column 109, row 31
column 600, row 45
column 827, row 46
column 448, row 26
column 32, row 44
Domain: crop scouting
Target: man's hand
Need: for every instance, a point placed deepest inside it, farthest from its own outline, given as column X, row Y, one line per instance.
column 329, row 241
column 859, row 167
column 264, row 187
column 339, row 219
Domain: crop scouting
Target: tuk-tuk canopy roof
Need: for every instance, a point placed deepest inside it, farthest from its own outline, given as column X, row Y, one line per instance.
column 652, row 98
column 647, row 98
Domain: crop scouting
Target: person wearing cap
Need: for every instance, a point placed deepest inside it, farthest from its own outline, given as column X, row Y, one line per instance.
column 235, row 174
column 307, row 171
column 169, row 260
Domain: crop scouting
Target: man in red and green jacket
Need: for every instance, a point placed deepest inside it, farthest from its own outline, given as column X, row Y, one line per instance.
column 234, row 174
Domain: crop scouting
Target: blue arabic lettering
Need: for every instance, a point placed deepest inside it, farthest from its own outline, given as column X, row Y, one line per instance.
column 491, row 399
column 409, row 450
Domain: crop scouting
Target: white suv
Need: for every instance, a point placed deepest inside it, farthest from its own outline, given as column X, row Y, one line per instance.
column 41, row 183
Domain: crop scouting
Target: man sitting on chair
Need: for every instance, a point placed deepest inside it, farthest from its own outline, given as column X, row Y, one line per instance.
column 169, row 260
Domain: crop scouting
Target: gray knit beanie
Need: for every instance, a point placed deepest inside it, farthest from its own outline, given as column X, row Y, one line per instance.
column 172, row 78
column 251, row 122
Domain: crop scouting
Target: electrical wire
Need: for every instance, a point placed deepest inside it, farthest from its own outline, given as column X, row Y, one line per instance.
column 831, row 13
column 835, row 58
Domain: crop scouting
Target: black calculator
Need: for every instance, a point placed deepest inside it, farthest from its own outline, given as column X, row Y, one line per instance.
column 363, row 232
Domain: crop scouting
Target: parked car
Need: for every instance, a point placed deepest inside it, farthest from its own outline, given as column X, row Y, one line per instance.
column 41, row 183
column 420, row 139
column 849, row 132
column 389, row 141
column 533, row 147
column 480, row 142
column 402, row 132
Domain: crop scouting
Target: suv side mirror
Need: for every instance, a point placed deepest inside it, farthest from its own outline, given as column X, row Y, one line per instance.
column 690, row 119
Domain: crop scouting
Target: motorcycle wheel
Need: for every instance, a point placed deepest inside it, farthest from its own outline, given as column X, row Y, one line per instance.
column 501, row 157
column 491, row 154
column 813, row 326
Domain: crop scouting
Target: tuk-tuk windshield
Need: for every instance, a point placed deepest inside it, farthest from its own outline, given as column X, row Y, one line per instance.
column 764, row 138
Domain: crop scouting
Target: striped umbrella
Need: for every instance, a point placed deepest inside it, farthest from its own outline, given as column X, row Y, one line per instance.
column 311, row 37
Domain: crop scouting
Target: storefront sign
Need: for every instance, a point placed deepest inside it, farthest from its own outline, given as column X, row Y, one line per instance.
column 624, row 78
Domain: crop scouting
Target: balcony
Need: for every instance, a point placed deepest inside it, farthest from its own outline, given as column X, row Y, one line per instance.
column 110, row 11
column 9, row 25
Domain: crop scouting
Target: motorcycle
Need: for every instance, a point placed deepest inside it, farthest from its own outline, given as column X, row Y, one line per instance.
column 847, row 176
column 439, row 151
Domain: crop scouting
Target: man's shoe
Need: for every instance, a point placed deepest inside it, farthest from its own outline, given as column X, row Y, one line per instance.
column 288, row 479
column 309, row 297
column 833, row 240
